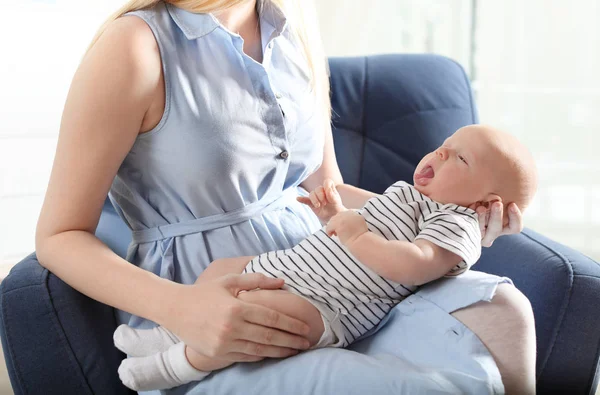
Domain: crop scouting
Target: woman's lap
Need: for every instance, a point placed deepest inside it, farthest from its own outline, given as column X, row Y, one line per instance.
column 419, row 348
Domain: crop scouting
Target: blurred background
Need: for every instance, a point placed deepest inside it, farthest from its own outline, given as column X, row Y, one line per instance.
column 533, row 65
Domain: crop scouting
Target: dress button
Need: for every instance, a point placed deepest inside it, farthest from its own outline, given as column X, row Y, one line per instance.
column 278, row 95
column 284, row 154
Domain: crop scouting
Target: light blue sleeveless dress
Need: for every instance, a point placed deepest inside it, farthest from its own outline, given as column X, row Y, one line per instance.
column 218, row 177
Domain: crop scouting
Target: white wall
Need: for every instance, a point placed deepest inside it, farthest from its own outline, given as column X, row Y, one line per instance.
column 41, row 43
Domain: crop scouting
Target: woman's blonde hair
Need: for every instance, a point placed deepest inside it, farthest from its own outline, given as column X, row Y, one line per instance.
column 302, row 20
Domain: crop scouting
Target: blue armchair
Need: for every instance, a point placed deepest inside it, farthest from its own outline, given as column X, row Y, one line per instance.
column 388, row 111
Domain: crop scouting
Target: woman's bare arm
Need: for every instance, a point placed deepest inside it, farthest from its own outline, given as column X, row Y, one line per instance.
column 408, row 263
column 107, row 101
column 329, row 167
column 353, row 197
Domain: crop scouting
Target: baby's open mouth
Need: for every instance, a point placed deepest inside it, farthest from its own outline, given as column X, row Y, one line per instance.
column 424, row 175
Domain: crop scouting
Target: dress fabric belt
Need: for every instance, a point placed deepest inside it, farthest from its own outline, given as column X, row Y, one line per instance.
column 216, row 221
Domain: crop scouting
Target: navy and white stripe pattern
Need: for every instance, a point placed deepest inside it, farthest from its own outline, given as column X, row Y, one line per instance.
column 321, row 268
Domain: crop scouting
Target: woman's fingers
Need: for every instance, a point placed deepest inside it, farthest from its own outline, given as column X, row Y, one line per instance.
column 482, row 216
column 263, row 351
column 249, row 281
column 491, row 222
column 515, row 220
column 494, row 225
column 263, row 316
column 240, row 357
column 257, row 334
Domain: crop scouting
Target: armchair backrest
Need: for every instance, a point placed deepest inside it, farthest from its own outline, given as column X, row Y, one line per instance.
column 390, row 110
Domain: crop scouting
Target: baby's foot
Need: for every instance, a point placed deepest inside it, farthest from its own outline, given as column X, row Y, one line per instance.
column 143, row 342
column 163, row 370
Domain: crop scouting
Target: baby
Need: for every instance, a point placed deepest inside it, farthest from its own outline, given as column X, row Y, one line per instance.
column 343, row 279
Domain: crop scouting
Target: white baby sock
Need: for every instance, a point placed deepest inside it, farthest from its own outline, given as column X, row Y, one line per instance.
column 163, row 370
column 143, row 342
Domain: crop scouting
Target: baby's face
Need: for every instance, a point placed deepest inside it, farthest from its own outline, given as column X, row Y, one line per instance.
column 458, row 172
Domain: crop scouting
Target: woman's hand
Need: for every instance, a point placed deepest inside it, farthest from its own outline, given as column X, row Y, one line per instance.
column 210, row 319
column 325, row 201
column 491, row 222
column 347, row 225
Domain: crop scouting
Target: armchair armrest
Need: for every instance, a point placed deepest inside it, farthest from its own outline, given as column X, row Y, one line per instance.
column 61, row 335
column 55, row 337
column 563, row 287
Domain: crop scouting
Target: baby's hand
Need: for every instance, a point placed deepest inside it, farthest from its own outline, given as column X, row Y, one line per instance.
column 325, row 201
column 347, row 225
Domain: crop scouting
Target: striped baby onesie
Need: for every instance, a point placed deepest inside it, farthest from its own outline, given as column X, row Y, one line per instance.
column 324, row 272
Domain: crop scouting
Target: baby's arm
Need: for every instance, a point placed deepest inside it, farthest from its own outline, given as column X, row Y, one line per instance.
column 353, row 197
column 404, row 262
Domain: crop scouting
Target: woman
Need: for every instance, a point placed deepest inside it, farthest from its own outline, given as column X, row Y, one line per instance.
column 204, row 120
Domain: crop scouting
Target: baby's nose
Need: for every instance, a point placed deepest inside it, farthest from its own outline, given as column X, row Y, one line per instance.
column 442, row 153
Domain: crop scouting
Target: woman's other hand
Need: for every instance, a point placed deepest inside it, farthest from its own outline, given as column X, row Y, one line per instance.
column 210, row 319
column 325, row 201
column 492, row 225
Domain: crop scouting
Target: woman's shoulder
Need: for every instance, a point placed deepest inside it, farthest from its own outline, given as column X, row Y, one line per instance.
column 133, row 32
column 123, row 65
column 129, row 42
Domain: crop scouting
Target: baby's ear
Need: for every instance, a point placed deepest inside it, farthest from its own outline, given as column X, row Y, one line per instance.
column 488, row 200
column 491, row 198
